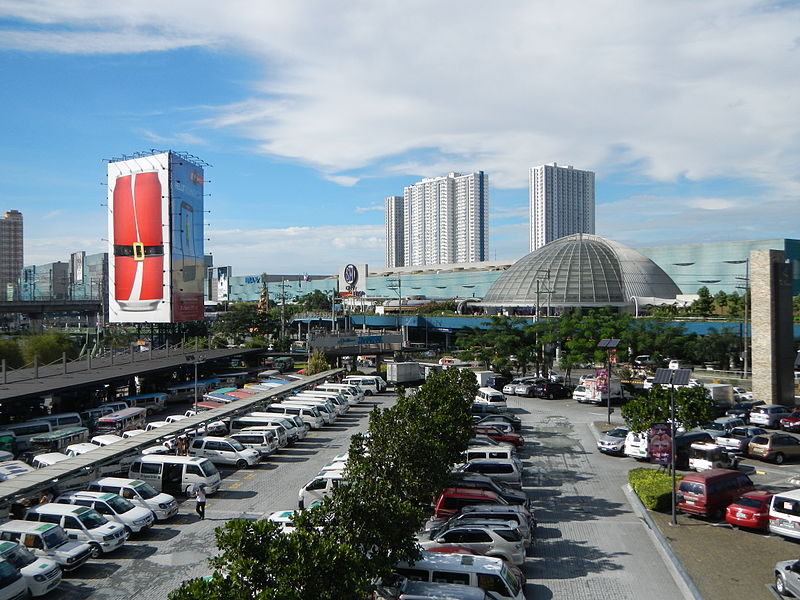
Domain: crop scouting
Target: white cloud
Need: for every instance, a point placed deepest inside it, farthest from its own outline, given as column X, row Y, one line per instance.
column 344, row 180
column 297, row 249
column 186, row 138
column 376, row 208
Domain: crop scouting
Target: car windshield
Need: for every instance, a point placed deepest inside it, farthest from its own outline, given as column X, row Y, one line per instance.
column 146, row 491
column 8, row 573
column 92, row 519
column 749, row 502
column 509, row 535
column 237, row 445
column 690, row 487
column 714, row 426
column 208, row 468
column 55, row 537
column 619, row 432
column 20, row 557
column 119, row 504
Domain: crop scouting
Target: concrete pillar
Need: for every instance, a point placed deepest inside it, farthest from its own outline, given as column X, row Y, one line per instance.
column 772, row 340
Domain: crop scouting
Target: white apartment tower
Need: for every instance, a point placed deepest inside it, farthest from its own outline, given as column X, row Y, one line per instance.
column 444, row 220
column 561, row 203
column 393, row 217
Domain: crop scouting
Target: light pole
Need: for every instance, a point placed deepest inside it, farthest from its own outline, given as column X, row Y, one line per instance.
column 672, row 377
column 607, row 345
column 195, row 359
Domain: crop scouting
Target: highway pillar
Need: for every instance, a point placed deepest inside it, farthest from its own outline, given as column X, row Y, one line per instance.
column 64, row 362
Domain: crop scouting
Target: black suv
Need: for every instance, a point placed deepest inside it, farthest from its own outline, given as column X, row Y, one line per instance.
column 513, row 420
column 549, row 389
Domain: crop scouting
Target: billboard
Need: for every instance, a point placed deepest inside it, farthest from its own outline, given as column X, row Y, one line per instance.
column 353, row 280
column 76, row 262
column 661, row 443
column 223, row 283
column 155, row 233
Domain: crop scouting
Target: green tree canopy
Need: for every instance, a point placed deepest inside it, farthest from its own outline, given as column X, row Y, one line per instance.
column 48, row 347
column 693, row 407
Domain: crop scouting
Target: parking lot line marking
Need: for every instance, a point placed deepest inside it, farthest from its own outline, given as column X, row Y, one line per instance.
column 233, row 486
column 250, row 475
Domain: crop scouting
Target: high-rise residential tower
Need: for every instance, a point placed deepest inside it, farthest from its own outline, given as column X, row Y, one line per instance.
column 11, row 258
column 444, row 220
column 561, row 203
column 393, row 217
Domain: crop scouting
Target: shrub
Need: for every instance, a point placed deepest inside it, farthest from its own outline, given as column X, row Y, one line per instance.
column 653, row 487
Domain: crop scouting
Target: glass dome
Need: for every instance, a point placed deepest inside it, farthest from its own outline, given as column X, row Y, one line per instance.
column 580, row 270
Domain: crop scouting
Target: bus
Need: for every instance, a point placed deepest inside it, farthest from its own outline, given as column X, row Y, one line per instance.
column 185, row 391
column 57, row 441
column 122, row 420
column 283, row 363
column 152, row 402
column 233, row 379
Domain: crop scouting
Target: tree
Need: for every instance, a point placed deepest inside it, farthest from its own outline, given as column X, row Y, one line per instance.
column 693, row 407
column 316, row 301
column 48, row 347
column 11, row 353
column 317, row 363
column 704, row 305
column 242, row 320
column 496, row 344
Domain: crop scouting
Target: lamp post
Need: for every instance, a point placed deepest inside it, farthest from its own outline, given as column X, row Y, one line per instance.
column 195, row 359
column 672, row 377
column 608, row 345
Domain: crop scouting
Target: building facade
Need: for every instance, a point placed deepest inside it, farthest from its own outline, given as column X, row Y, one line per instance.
column 445, row 220
column 393, row 221
column 11, row 257
column 561, row 203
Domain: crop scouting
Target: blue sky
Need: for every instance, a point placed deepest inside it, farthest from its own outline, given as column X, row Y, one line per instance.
column 312, row 112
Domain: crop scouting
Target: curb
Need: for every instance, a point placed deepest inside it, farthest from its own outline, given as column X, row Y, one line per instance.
column 679, row 574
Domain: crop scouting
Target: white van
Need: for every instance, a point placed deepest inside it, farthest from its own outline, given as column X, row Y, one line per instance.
column 113, row 507
column 62, row 420
column 679, row 364
column 784, row 514
column 224, row 451
column 289, row 423
column 327, row 413
column 424, row 590
column 78, row 449
column 322, row 485
column 105, row 440
column 48, row 541
column 12, row 583
column 489, row 573
column 637, row 445
column 491, row 396
column 41, row 574
column 162, row 505
column 14, row 468
column 352, row 393
column 23, row 432
column 370, row 385
column 83, row 524
column 335, row 400
column 175, row 474
column 286, row 435
column 309, row 415
column 264, row 441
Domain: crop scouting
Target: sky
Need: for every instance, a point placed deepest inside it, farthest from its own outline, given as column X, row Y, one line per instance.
column 310, row 113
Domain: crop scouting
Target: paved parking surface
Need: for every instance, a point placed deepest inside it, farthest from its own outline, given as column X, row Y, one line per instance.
column 590, row 543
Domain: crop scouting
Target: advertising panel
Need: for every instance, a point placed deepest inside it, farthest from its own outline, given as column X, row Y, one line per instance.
column 76, row 260
column 353, row 280
column 661, row 444
column 223, row 283
column 188, row 261
column 139, row 240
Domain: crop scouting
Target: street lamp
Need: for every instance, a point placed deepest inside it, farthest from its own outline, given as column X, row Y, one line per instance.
column 672, row 377
column 607, row 345
column 195, row 359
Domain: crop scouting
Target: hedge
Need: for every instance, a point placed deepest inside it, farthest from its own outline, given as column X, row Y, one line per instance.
column 653, row 486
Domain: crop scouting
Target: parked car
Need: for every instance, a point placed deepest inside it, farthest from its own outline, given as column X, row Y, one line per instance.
column 613, row 441
column 496, row 433
column 480, row 481
column 507, row 470
column 500, row 543
column 768, row 415
column 452, row 500
column 551, row 390
column 485, row 440
column 513, row 420
column 787, row 577
column 528, row 388
column 683, row 445
column 510, row 387
column 775, row 447
column 722, row 426
column 113, row 507
column 486, row 409
column 750, row 510
column 522, row 518
column 41, row 574
column 739, row 437
column 742, row 395
column 742, row 409
column 791, row 422
column 709, row 493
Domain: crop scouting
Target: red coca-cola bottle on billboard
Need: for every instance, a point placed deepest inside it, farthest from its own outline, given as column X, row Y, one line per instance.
column 138, row 242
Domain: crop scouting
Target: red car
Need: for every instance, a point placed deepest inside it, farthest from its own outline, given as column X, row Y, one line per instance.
column 750, row 510
column 498, row 434
column 791, row 422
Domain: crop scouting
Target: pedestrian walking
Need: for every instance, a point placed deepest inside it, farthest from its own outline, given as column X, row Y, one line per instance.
column 200, row 496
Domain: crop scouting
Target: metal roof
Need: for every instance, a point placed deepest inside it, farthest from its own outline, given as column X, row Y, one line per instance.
column 30, row 483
